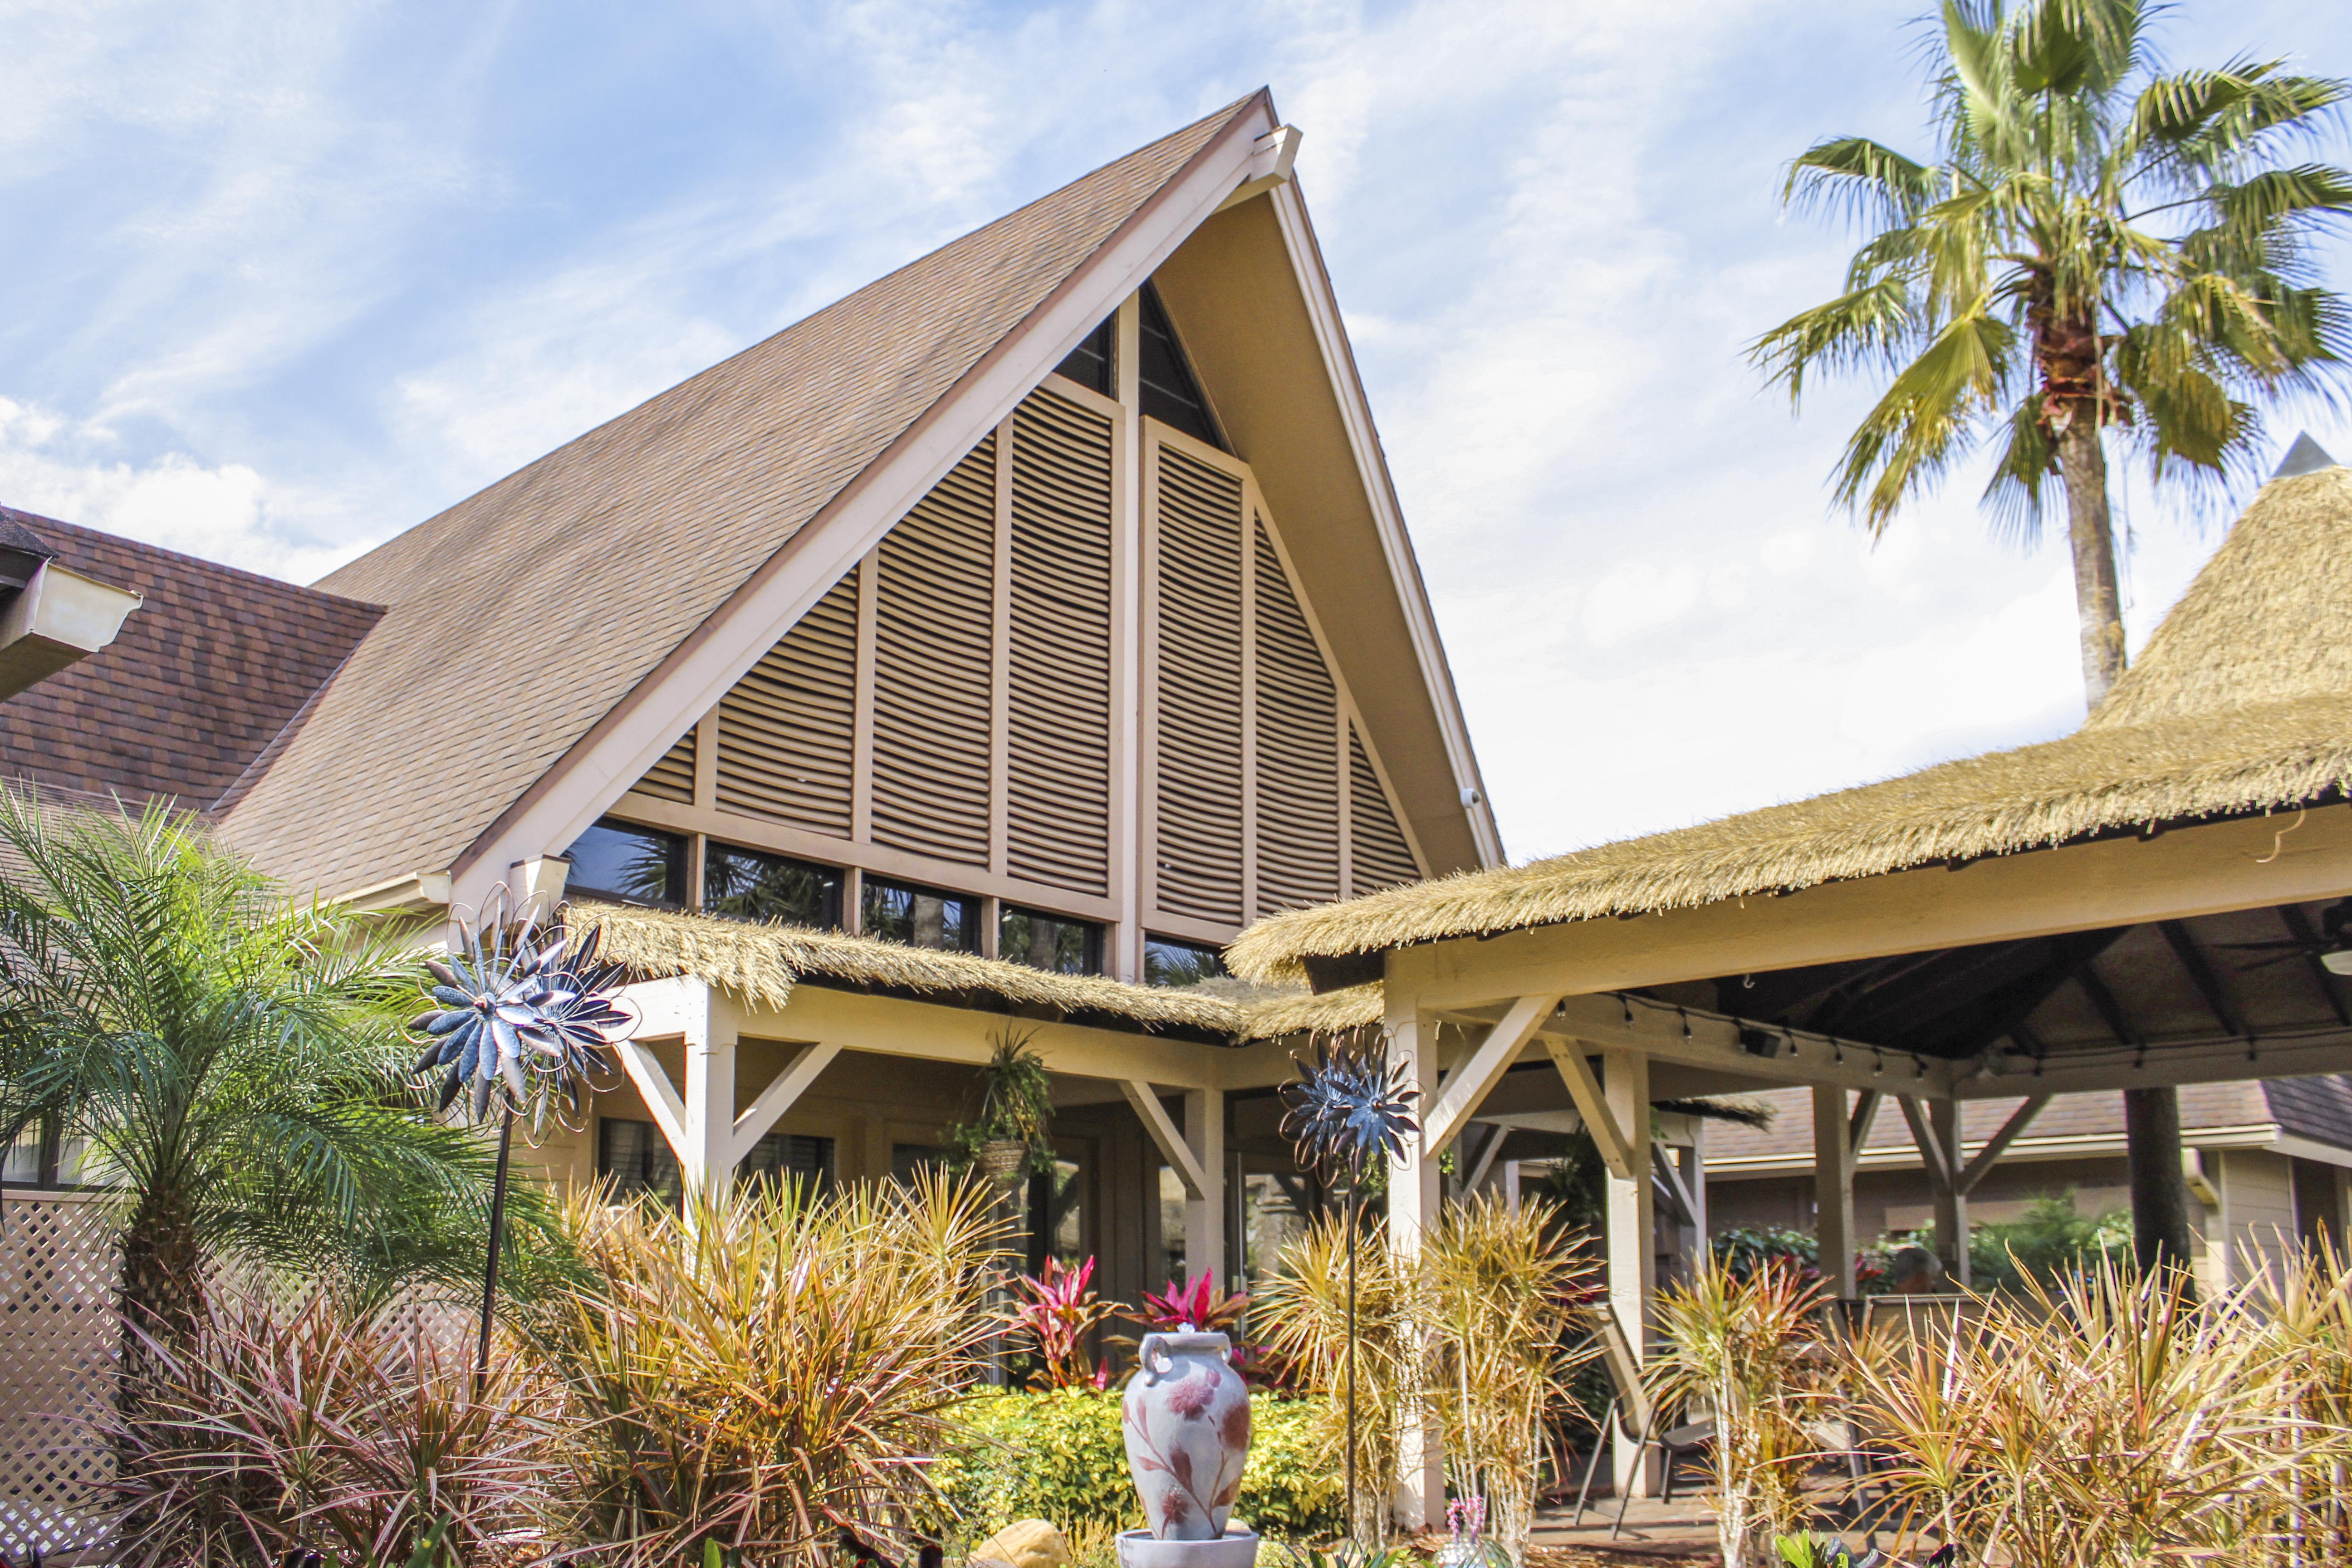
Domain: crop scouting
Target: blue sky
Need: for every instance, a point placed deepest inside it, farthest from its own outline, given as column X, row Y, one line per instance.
column 284, row 280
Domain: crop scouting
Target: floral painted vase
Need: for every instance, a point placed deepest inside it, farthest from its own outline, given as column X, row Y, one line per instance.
column 1187, row 1423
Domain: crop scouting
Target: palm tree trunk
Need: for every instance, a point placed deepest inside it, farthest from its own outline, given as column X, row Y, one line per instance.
column 2160, row 1188
column 162, row 1289
column 2098, row 598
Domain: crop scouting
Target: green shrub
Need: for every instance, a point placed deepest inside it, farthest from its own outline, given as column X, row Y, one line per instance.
column 1059, row 1456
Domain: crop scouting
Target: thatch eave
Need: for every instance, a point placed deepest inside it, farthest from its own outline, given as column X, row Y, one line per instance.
column 2093, row 783
column 760, row 965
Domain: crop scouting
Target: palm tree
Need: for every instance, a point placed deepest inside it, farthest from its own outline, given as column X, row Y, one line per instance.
column 2100, row 255
column 231, row 1061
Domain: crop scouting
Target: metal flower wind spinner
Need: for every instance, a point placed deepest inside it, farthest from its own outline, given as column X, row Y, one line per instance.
column 1348, row 1104
column 519, row 1009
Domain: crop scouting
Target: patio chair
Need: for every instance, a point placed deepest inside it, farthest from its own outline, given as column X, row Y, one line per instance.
column 1632, row 1411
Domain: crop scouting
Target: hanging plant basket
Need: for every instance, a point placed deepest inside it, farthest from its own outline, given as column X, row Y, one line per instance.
column 1002, row 1159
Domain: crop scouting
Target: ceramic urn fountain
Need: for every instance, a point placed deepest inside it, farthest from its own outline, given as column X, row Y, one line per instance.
column 1187, row 1424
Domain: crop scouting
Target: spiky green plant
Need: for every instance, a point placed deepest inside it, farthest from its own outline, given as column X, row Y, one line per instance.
column 769, row 1369
column 1746, row 1344
column 1495, row 1298
column 231, row 1061
column 1302, row 1314
column 2107, row 1419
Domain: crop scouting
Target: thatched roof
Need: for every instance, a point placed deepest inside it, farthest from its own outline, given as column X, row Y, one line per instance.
column 2242, row 701
column 761, row 964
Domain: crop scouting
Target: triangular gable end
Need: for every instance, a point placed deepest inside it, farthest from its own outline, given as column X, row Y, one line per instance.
column 977, row 771
column 784, row 744
column 648, row 554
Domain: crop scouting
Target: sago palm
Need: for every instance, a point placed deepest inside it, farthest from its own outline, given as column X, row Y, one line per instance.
column 2100, row 254
column 230, row 1061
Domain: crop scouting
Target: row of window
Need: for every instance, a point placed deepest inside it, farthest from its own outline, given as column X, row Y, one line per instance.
column 644, row 864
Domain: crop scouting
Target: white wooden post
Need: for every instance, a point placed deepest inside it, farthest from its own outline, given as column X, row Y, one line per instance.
column 1833, row 1152
column 1951, row 1195
column 1419, row 1498
column 1632, row 1236
column 1204, row 1211
column 707, row 1161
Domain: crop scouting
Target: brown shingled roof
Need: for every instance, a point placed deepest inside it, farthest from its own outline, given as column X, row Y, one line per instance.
column 522, row 616
column 209, row 673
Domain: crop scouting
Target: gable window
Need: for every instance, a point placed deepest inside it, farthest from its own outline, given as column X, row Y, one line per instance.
column 1167, row 961
column 1168, row 390
column 1089, row 365
column 921, row 917
column 633, row 865
column 1049, row 942
column 746, row 885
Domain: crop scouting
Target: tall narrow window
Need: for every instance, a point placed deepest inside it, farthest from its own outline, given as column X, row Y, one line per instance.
column 1049, row 942
column 1166, row 385
column 746, row 885
column 1089, row 365
column 933, row 636
column 921, row 917
column 633, row 865
column 1058, row 718
column 1167, row 961
column 1197, row 773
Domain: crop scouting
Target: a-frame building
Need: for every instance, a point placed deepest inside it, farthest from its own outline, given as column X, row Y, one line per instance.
column 981, row 653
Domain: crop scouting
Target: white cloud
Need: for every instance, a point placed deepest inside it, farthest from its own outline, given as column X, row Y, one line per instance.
column 309, row 272
column 227, row 513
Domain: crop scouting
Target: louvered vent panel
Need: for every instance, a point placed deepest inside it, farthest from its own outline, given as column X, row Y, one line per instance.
column 1059, row 815
column 672, row 778
column 1298, row 747
column 931, row 668
column 785, row 729
column 1378, row 855
column 1199, row 687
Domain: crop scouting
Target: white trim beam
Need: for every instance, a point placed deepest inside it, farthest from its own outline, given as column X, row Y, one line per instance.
column 660, row 1095
column 1932, row 1153
column 2155, row 1066
column 1467, row 1086
column 1865, row 1117
column 1486, row 1163
column 1611, row 1140
column 1693, row 1038
column 1167, row 1136
column 782, row 1093
column 2018, row 1120
column 2206, row 868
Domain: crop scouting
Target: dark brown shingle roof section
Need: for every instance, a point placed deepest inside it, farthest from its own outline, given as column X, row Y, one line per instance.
column 607, row 553
column 213, row 669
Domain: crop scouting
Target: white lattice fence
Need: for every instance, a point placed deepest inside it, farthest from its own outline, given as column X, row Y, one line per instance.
column 58, row 1350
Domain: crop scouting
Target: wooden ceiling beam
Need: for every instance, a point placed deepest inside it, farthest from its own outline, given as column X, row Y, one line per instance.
column 2201, row 975
column 2298, row 926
